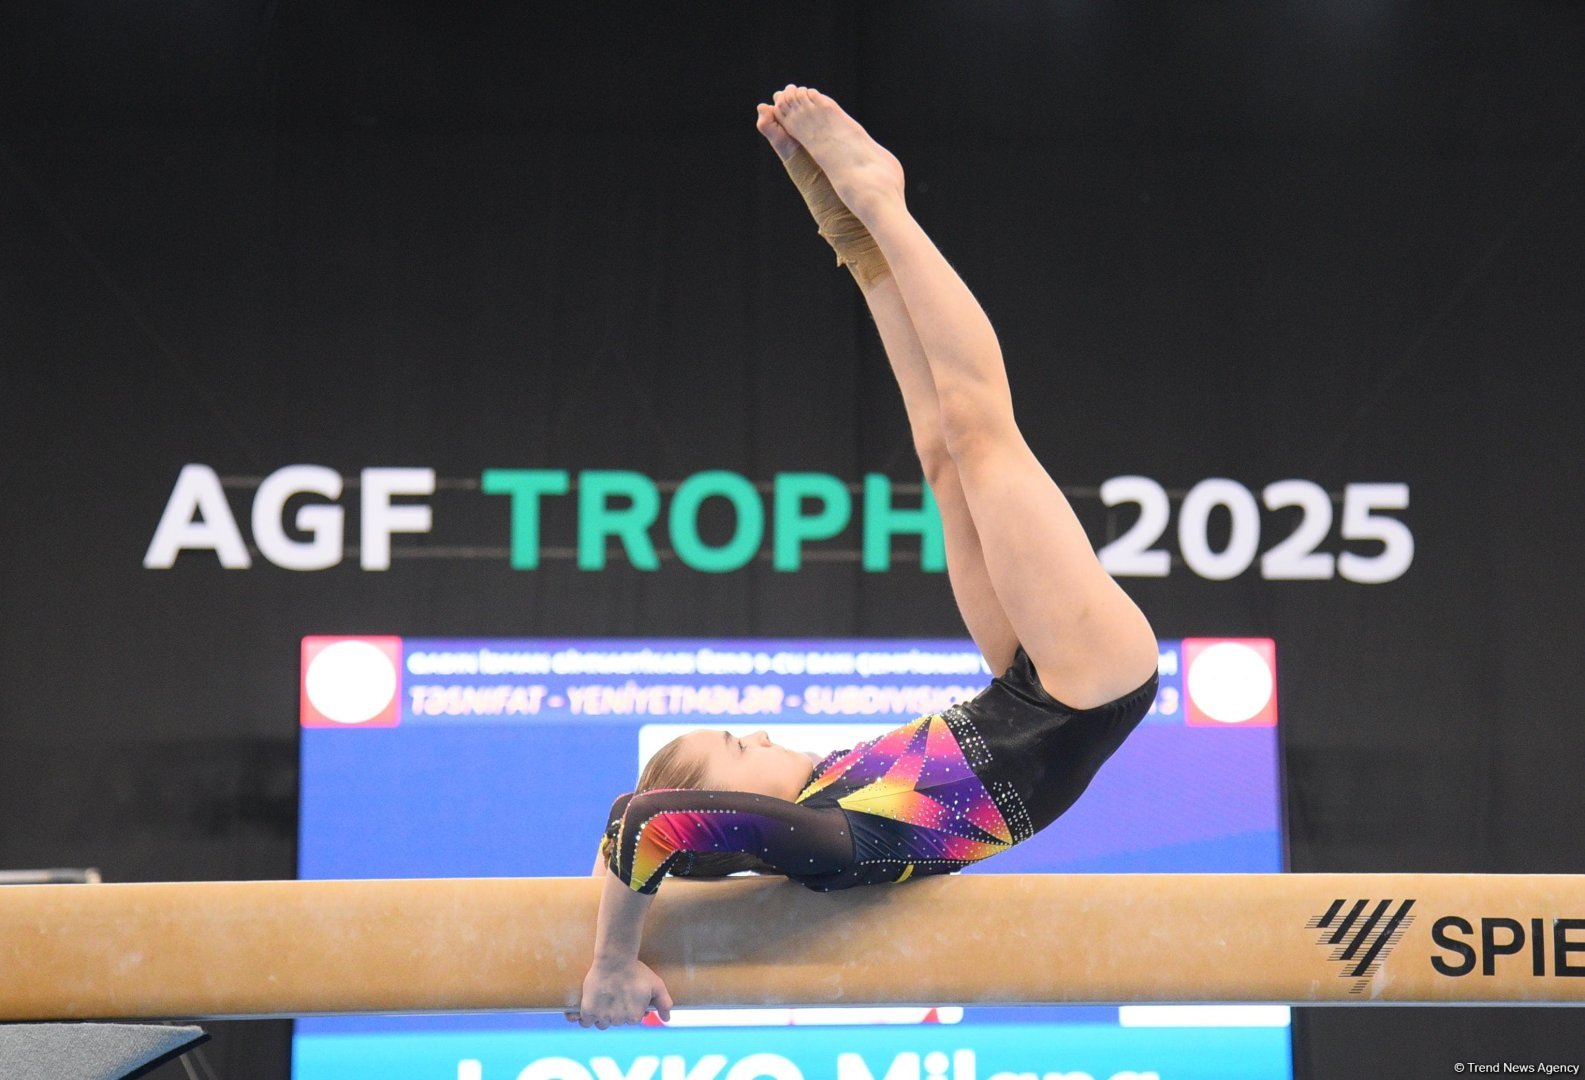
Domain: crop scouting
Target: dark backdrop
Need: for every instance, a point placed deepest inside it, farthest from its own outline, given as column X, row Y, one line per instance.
column 1341, row 243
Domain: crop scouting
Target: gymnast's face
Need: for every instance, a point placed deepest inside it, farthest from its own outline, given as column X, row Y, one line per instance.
column 750, row 763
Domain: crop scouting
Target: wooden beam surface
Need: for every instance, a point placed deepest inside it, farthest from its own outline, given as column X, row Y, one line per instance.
column 298, row 948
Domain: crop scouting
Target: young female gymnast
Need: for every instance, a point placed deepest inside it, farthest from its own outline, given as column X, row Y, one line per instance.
column 945, row 790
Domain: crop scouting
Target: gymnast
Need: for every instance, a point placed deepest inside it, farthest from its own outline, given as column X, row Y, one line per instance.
column 942, row 791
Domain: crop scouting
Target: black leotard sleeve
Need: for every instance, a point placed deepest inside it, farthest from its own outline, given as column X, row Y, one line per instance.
column 657, row 831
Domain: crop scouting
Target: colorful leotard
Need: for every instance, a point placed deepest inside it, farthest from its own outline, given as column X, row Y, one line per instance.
column 930, row 797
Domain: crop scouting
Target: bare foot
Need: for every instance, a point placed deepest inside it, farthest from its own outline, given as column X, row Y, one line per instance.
column 767, row 125
column 865, row 174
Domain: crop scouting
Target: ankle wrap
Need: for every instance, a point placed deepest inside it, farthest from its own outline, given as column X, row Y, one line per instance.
column 846, row 234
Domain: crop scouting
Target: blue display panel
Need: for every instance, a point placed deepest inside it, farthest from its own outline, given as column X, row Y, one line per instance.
column 483, row 758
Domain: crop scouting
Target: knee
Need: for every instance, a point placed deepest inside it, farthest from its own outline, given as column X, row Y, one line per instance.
column 972, row 420
column 962, row 427
column 935, row 460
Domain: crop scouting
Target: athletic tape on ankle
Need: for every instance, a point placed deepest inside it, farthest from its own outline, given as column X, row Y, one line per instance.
column 846, row 234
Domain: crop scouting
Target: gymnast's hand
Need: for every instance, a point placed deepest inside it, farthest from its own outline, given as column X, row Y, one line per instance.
column 618, row 993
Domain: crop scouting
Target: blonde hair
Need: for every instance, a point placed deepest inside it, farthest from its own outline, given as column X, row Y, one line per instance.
column 670, row 767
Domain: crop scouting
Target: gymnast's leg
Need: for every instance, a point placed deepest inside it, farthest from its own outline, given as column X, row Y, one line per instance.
column 971, row 584
column 1086, row 637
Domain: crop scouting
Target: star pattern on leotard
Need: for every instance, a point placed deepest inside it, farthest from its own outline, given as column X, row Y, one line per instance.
column 700, row 830
column 918, row 774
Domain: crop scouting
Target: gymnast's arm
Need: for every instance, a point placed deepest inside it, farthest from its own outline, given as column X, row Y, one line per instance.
column 620, row 988
column 667, row 830
column 620, row 925
column 652, row 833
column 675, row 830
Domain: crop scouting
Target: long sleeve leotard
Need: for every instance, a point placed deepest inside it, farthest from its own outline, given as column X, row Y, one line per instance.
column 929, row 797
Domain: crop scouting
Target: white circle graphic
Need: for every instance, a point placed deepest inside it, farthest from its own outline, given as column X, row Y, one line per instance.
column 350, row 682
column 1230, row 682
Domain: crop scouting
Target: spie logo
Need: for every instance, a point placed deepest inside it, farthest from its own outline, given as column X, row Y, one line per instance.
column 351, row 682
column 1230, row 682
column 1360, row 939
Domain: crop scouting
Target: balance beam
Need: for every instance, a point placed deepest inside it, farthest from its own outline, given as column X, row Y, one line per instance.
column 221, row 950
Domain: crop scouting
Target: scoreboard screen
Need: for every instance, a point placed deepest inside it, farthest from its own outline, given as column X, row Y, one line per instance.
column 500, row 757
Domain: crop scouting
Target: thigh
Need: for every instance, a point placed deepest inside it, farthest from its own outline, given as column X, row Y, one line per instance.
column 976, row 597
column 1088, row 640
